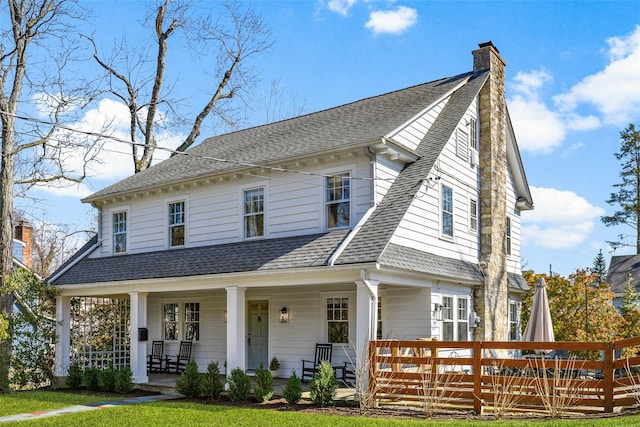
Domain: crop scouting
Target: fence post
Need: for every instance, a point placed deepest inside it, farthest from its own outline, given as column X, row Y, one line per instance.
column 477, row 377
column 607, row 387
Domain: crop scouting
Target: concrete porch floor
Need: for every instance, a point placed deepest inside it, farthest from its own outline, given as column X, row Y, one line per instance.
column 166, row 383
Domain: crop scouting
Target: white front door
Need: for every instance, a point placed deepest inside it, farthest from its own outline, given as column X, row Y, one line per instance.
column 258, row 335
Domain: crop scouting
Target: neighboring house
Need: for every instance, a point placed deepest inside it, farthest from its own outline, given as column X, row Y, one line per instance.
column 396, row 216
column 23, row 245
column 621, row 269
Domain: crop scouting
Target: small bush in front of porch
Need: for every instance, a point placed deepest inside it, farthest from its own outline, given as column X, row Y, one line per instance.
column 324, row 385
column 124, row 381
column 263, row 389
column 292, row 390
column 211, row 384
column 74, row 376
column 107, row 378
column 190, row 381
column 90, row 378
column 239, row 385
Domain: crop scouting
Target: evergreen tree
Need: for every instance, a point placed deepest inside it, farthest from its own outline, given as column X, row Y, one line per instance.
column 600, row 268
column 627, row 197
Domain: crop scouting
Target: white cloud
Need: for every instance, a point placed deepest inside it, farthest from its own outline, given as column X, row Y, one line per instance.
column 561, row 219
column 392, row 21
column 614, row 91
column 341, row 7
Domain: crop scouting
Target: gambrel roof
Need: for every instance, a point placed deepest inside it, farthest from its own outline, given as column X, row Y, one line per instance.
column 357, row 124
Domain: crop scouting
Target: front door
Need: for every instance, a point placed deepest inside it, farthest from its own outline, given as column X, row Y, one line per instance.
column 258, row 335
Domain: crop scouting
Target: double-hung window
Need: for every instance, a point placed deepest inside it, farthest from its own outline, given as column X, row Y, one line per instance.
column 338, row 320
column 120, row 232
column 181, row 321
column 446, row 207
column 473, row 131
column 176, row 223
column 254, row 213
column 473, row 215
column 514, row 321
column 337, row 200
column 447, row 319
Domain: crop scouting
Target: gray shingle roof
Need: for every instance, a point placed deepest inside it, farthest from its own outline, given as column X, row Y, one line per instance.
column 619, row 269
column 258, row 255
column 340, row 127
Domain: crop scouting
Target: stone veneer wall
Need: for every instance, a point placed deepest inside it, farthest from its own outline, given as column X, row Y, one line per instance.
column 491, row 298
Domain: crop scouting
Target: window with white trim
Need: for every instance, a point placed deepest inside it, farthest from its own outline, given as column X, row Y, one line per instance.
column 338, row 320
column 254, row 212
column 473, row 215
column 176, row 223
column 446, row 207
column 463, row 319
column 473, row 131
column 181, row 321
column 337, row 200
column 508, row 235
column 514, row 321
column 119, row 232
column 447, row 319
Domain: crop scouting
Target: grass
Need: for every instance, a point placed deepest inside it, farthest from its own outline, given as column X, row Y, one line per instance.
column 185, row 413
column 31, row 401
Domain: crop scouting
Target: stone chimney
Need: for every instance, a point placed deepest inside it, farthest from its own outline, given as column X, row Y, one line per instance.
column 24, row 233
column 491, row 298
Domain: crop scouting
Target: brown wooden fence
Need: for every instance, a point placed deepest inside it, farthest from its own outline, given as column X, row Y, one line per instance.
column 584, row 377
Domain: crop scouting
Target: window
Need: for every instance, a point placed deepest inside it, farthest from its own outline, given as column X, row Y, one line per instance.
column 473, row 130
column 447, row 319
column 447, row 211
column 379, row 330
column 462, row 144
column 338, row 207
column 508, row 236
column 463, row 319
column 473, row 215
column 186, row 325
column 254, row 212
column 514, row 321
column 338, row 320
column 119, row 232
column 176, row 224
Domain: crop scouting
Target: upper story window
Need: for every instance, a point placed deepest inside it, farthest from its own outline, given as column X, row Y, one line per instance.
column 473, row 131
column 176, row 223
column 337, row 200
column 473, row 215
column 119, row 232
column 254, row 212
column 446, row 207
column 508, row 235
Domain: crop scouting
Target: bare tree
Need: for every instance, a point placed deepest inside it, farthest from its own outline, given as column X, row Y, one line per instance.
column 226, row 41
column 35, row 50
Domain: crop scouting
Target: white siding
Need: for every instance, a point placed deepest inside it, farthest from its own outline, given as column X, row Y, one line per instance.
column 513, row 260
column 406, row 313
column 420, row 227
column 413, row 132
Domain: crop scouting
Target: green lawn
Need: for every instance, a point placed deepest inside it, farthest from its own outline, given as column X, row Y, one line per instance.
column 184, row 413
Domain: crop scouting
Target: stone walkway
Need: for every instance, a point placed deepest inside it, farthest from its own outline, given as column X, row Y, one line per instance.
column 88, row 407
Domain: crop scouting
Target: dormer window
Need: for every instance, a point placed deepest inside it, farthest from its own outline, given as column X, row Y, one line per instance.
column 337, row 202
column 176, row 224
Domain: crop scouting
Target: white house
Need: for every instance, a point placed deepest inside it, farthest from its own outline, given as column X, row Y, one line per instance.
column 396, row 216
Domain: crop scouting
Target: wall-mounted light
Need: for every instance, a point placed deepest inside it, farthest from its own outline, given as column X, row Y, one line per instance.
column 284, row 315
column 437, row 311
column 225, row 316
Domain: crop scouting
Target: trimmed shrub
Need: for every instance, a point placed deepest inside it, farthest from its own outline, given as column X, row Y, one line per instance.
column 74, row 376
column 323, row 386
column 211, row 384
column 292, row 390
column 190, row 381
column 107, row 379
column 90, row 378
column 239, row 385
column 124, row 381
column 263, row 389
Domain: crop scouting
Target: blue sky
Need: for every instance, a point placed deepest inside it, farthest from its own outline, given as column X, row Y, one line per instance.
column 573, row 83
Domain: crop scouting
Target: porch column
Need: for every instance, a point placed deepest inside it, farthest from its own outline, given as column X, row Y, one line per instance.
column 236, row 348
column 63, row 335
column 138, row 358
column 366, row 320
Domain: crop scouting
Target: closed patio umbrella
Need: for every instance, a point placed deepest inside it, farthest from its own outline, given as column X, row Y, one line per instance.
column 539, row 328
